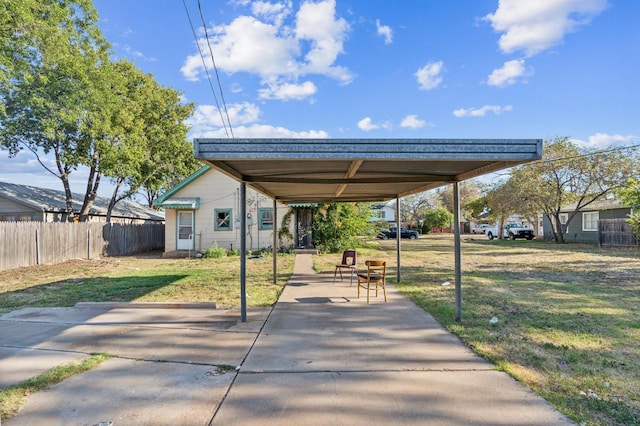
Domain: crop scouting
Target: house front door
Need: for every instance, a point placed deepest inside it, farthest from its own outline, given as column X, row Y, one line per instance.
column 185, row 230
column 304, row 218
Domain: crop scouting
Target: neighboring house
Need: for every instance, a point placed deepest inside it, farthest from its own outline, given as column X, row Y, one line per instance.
column 29, row 203
column 202, row 211
column 583, row 227
column 384, row 212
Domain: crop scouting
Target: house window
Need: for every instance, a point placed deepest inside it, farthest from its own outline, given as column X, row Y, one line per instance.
column 380, row 214
column 590, row 221
column 223, row 219
column 266, row 219
column 8, row 218
column 24, row 217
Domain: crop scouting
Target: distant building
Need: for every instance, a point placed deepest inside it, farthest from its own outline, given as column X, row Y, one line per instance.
column 583, row 228
column 30, row 203
column 384, row 212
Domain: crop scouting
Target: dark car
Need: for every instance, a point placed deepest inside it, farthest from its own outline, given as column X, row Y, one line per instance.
column 392, row 233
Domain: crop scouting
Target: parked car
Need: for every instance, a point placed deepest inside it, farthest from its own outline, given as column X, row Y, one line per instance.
column 392, row 233
column 511, row 231
column 480, row 229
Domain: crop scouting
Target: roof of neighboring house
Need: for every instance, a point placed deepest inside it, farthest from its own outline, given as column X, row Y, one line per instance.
column 606, row 204
column 51, row 200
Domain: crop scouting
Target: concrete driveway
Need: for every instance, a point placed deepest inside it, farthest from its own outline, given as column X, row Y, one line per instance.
column 320, row 357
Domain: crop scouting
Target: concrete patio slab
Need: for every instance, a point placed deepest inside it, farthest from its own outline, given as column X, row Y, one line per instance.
column 129, row 392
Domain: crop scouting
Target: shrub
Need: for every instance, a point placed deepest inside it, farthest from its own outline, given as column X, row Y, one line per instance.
column 215, row 252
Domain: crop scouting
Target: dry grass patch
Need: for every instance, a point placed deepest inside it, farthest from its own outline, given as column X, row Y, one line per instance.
column 144, row 278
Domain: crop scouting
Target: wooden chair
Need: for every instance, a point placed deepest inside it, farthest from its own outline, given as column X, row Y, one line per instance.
column 376, row 272
column 348, row 262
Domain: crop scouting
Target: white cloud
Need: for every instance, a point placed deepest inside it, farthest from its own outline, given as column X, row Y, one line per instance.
column 385, row 32
column 534, row 26
column 510, row 72
column 209, row 116
column 288, row 91
column 429, row 76
column 603, row 140
column 367, row 124
column 206, row 123
column 481, row 112
column 272, row 12
column 412, row 121
column 262, row 131
column 265, row 46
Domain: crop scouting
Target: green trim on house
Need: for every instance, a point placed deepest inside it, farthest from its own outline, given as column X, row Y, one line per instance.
column 192, row 203
column 181, row 186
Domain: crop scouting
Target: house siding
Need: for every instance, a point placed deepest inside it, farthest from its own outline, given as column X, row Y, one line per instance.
column 574, row 231
column 10, row 207
column 216, row 192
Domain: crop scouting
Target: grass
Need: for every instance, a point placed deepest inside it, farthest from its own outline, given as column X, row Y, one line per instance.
column 146, row 279
column 13, row 398
column 568, row 319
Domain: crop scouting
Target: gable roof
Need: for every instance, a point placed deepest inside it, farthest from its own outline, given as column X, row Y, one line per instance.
column 51, row 200
column 164, row 198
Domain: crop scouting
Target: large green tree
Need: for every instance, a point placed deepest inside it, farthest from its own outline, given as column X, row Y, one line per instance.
column 63, row 98
column 149, row 151
column 569, row 175
column 54, row 90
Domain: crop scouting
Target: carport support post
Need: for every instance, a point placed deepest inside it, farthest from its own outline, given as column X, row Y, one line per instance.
column 398, row 237
column 458, row 260
column 243, row 252
column 275, row 242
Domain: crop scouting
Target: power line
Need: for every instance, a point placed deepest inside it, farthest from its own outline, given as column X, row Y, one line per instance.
column 204, row 64
column 215, row 68
column 590, row 154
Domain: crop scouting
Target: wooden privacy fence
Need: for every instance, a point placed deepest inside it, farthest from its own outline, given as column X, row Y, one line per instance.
column 616, row 233
column 39, row 243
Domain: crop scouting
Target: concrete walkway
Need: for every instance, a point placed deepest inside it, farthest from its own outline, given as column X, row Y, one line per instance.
column 320, row 357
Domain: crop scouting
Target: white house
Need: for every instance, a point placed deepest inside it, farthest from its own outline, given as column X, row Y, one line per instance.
column 202, row 211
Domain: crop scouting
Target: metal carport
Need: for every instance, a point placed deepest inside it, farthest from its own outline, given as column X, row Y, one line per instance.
column 348, row 170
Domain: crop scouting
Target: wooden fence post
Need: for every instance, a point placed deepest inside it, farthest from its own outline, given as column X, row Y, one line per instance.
column 37, row 246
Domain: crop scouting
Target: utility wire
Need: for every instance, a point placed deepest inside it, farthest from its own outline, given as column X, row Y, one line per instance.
column 215, row 68
column 204, row 64
column 590, row 154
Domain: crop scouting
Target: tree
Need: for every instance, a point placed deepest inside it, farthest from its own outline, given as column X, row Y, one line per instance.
column 54, row 88
column 437, row 218
column 150, row 149
column 339, row 226
column 568, row 175
column 469, row 191
column 412, row 208
column 630, row 196
column 62, row 96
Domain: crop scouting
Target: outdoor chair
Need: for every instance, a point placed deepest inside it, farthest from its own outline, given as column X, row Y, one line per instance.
column 375, row 274
column 348, row 262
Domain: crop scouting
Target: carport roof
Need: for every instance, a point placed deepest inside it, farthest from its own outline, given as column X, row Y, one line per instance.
column 341, row 170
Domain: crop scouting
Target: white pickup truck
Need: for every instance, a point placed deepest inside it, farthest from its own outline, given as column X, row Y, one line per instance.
column 511, row 231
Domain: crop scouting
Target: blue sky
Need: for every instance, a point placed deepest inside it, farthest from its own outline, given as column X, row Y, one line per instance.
column 383, row 69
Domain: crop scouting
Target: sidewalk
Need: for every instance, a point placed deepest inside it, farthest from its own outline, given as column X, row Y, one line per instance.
column 320, row 357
